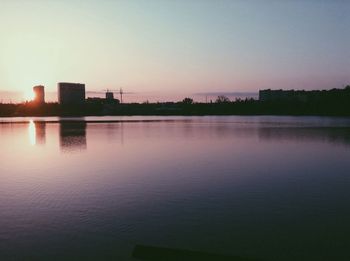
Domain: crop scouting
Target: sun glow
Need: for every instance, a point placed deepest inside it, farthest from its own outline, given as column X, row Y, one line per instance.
column 29, row 96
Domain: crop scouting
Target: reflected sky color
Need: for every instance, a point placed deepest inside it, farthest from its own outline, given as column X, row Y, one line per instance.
column 275, row 188
column 175, row 46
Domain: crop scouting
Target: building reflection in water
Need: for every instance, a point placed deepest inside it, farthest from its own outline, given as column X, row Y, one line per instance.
column 72, row 136
column 40, row 133
column 337, row 135
column 37, row 132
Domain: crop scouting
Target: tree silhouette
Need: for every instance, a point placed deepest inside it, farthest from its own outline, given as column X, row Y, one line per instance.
column 222, row 99
column 187, row 101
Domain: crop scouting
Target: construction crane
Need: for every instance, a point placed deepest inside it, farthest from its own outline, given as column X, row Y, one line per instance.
column 121, row 95
column 120, row 91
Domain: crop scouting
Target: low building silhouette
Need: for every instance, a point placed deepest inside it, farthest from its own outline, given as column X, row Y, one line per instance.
column 109, row 96
column 71, row 93
column 301, row 95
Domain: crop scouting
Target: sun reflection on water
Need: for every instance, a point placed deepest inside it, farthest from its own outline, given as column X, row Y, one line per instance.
column 31, row 133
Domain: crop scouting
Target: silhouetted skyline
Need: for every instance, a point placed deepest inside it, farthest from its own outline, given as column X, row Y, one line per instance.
column 52, row 96
column 175, row 46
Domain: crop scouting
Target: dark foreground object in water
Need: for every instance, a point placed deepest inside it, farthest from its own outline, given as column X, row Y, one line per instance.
column 171, row 254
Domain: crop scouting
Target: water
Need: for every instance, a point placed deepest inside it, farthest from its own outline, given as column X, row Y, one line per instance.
column 275, row 188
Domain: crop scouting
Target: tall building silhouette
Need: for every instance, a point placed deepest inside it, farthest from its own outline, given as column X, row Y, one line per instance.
column 71, row 93
column 39, row 92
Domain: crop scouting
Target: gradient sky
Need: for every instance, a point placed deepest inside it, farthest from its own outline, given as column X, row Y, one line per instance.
column 175, row 46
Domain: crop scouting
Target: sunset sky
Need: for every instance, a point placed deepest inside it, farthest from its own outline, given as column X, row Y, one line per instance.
column 175, row 46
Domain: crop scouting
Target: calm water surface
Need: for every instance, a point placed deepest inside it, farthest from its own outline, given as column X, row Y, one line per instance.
column 276, row 188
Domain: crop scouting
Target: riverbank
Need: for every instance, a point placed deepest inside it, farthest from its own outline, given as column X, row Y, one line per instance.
column 340, row 107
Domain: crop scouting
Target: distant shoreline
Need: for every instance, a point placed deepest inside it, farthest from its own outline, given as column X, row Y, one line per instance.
column 334, row 102
column 237, row 108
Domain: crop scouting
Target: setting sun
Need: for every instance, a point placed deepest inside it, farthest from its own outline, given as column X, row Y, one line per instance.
column 29, row 96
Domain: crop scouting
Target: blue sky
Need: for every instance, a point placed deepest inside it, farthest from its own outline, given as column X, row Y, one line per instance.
column 175, row 46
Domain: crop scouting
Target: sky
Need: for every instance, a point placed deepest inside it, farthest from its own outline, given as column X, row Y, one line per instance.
column 173, row 46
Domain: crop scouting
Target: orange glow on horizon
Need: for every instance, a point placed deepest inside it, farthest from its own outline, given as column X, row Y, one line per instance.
column 29, row 96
